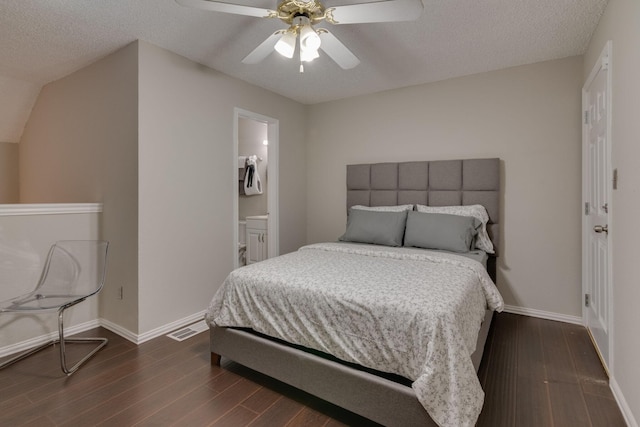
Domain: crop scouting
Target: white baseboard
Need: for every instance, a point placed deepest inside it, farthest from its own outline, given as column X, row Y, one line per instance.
column 34, row 342
column 146, row 336
column 117, row 329
column 162, row 330
column 577, row 320
column 622, row 403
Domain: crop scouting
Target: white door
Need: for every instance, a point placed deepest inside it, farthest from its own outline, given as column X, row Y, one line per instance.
column 597, row 182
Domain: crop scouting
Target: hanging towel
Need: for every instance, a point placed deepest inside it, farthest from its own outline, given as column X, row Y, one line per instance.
column 252, row 183
column 242, row 171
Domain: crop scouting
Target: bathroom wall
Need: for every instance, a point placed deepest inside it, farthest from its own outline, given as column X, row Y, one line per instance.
column 251, row 135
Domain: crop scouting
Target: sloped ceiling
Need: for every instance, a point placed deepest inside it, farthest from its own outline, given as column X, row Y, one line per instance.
column 44, row 40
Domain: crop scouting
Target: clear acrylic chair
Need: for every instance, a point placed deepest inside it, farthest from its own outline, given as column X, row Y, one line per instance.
column 74, row 270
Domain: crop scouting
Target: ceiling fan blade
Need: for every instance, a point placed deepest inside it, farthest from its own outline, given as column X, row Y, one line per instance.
column 336, row 50
column 382, row 11
column 263, row 50
column 216, row 6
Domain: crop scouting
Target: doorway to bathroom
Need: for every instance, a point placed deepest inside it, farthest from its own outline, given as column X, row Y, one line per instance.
column 255, row 159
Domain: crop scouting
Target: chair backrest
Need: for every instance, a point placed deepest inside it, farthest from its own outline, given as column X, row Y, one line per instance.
column 74, row 267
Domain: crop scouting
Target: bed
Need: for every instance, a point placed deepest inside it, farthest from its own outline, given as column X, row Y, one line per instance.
column 355, row 322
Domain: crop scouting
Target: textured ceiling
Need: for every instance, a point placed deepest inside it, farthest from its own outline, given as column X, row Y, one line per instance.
column 44, row 40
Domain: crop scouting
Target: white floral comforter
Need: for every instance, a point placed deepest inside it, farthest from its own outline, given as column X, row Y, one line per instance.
column 406, row 311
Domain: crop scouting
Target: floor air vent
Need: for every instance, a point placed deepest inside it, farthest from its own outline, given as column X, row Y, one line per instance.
column 189, row 331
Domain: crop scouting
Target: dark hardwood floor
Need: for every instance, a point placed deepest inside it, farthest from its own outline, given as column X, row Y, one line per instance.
column 534, row 372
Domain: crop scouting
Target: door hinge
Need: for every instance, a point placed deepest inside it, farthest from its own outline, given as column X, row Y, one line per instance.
column 587, row 299
column 586, row 117
column 586, row 208
column 615, row 179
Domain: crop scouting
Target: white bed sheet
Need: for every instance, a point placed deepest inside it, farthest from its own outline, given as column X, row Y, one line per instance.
column 406, row 311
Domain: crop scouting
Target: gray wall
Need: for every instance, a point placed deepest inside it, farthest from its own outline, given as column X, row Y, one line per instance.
column 621, row 24
column 80, row 145
column 528, row 116
column 9, row 184
column 186, row 180
column 150, row 134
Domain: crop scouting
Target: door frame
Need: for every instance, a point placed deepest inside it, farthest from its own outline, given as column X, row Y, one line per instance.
column 604, row 60
column 273, row 135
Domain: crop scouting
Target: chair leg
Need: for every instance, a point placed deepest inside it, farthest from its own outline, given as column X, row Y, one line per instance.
column 62, row 340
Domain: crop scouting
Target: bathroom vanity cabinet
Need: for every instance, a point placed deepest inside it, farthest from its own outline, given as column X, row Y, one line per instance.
column 256, row 238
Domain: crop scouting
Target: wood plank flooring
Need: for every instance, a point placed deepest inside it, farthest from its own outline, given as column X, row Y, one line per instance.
column 542, row 373
column 534, row 372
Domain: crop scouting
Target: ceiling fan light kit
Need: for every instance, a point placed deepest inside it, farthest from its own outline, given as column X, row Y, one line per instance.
column 286, row 45
column 309, row 55
column 301, row 15
column 309, row 39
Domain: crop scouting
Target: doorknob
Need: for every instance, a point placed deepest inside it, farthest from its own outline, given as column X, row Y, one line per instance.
column 601, row 228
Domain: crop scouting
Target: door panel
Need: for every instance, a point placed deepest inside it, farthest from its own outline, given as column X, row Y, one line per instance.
column 596, row 184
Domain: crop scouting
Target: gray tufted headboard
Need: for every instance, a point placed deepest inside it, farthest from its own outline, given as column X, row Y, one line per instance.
column 434, row 183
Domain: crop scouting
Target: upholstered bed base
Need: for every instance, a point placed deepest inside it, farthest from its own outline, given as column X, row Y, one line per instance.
column 358, row 391
column 435, row 183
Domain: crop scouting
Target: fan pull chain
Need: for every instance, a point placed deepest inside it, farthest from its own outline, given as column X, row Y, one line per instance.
column 300, row 54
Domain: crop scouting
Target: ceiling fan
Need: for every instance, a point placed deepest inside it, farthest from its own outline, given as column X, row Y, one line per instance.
column 302, row 15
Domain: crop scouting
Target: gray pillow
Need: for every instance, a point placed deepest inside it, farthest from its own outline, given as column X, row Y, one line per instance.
column 379, row 228
column 441, row 231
